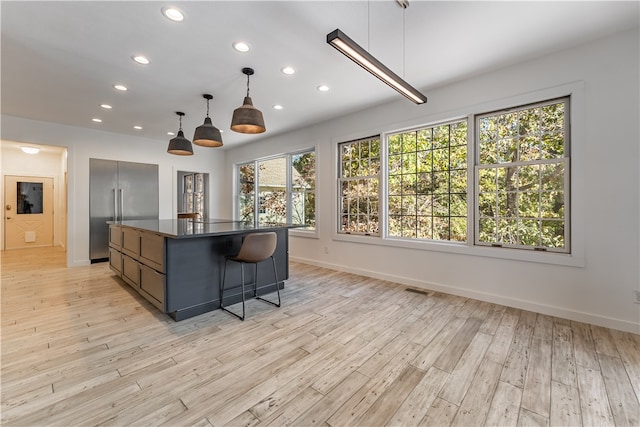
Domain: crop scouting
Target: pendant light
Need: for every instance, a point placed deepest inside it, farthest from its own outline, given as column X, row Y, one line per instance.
column 207, row 135
column 180, row 145
column 247, row 118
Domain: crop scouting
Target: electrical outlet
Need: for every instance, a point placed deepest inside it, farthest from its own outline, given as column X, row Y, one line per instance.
column 636, row 294
column 326, row 250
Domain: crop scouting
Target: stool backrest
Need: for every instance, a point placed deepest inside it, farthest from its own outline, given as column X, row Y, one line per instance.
column 257, row 247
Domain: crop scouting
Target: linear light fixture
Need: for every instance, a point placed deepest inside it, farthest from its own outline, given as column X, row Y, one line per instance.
column 357, row 54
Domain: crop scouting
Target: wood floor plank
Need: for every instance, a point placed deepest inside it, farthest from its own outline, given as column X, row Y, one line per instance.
column 594, row 404
column 531, row 419
column 622, row 399
column 415, row 406
column 440, row 413
column 628, row 347
column 536, row 396
column 563, row 363
column 476, row 403
column 565, row 405
column 505, row 406
column 462, row 375
column 323, row 409
column 393, row 396
column 79, row 347
column 515, row 365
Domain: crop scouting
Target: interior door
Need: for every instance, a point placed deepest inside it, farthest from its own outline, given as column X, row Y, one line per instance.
column 28, row 203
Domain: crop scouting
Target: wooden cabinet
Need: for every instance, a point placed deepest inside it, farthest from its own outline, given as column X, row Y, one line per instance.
column 138, row 257
column 131, row 242
column 152, row 250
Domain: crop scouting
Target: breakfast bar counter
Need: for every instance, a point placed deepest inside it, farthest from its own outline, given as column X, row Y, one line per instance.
column 177, row 264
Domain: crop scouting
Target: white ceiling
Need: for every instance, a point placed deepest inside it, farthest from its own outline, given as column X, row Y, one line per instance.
column 61, row 59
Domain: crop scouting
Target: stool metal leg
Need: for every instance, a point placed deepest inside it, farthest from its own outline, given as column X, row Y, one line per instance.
column 224, row 275
column 275, row 273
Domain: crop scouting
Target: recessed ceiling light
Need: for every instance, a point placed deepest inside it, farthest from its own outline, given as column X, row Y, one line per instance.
column 171, row 133
column 173, row 13
column 30, row 150
column 288, row 70
column 106, row 106
column 120, row 87
column 323, row 88
column 278, row 107
column 241, row 46
column 137, row 127
column 142, row 60
column 97, row 120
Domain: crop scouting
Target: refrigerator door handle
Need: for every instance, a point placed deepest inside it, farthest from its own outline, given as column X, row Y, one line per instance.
column 121, row 205
column 115, row 205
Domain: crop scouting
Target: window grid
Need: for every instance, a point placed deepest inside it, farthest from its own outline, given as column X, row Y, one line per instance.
column 359, row 174
column 522, row 177
column 427, row 183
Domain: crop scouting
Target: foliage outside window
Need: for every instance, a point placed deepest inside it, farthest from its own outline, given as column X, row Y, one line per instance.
column 427, row 183
column 280, row 189
column 303, row 189
column 359, row 177
column 522, row 177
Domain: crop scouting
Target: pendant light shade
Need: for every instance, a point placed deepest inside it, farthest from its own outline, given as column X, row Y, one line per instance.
column 247, row 118
column 207, row 135
column 180, row 145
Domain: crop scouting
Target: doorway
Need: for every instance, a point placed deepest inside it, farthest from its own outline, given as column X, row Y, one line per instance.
column 28, row 211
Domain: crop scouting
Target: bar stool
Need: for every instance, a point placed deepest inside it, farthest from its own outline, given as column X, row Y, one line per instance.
column 256, row 247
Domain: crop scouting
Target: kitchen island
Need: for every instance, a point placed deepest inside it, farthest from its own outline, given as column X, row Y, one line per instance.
column 177, row 264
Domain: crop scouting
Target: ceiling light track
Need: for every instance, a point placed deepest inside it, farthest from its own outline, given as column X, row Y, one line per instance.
column 357, row 54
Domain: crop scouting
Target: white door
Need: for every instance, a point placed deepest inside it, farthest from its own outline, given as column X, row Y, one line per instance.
column 28, row 211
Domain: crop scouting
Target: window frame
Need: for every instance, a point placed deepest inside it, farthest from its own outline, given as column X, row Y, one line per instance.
column 341, row 179
column 288, row 190
column 565, row 160
column 578, row 192
column 385, row 194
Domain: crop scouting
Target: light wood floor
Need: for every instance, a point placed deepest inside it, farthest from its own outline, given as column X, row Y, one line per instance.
column 79, row 348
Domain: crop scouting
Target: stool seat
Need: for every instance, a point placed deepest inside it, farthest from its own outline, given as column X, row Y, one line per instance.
column 256, row 247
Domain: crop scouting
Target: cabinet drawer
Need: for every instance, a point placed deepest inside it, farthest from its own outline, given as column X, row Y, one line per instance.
column 115, row 261
column 115, row 236
column 131, row 242
column 131, row 271
column 152, row 250
column 152, row 286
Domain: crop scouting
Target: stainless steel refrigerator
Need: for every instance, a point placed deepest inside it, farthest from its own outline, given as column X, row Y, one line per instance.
column 118, row 191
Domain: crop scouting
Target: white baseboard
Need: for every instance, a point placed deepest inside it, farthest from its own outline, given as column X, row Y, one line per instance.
column 607, row 322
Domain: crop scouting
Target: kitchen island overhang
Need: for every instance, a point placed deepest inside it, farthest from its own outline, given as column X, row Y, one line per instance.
column 177, row 264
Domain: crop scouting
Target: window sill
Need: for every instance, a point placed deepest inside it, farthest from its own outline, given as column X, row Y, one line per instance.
column 569, row 260
column 310, row 234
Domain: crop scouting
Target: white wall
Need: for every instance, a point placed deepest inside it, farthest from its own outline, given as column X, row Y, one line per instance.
column 596, row 283
column 83, row 144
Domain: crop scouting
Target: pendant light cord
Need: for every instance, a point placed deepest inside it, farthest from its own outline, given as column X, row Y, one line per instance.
column 404, row 36
column 180, row 126
column 247, row 85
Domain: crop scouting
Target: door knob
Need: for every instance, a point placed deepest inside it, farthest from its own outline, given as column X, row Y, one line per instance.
column 8, row 207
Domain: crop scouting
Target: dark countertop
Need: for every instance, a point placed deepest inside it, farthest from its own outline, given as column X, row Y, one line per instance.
column 190, row 228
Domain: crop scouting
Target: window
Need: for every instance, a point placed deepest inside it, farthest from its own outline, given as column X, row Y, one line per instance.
column 29, row 198
column 303, row 188
column 427, row 183
column 279, row 189
column 517, row 197
column 522, row 177
column 359, row 178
